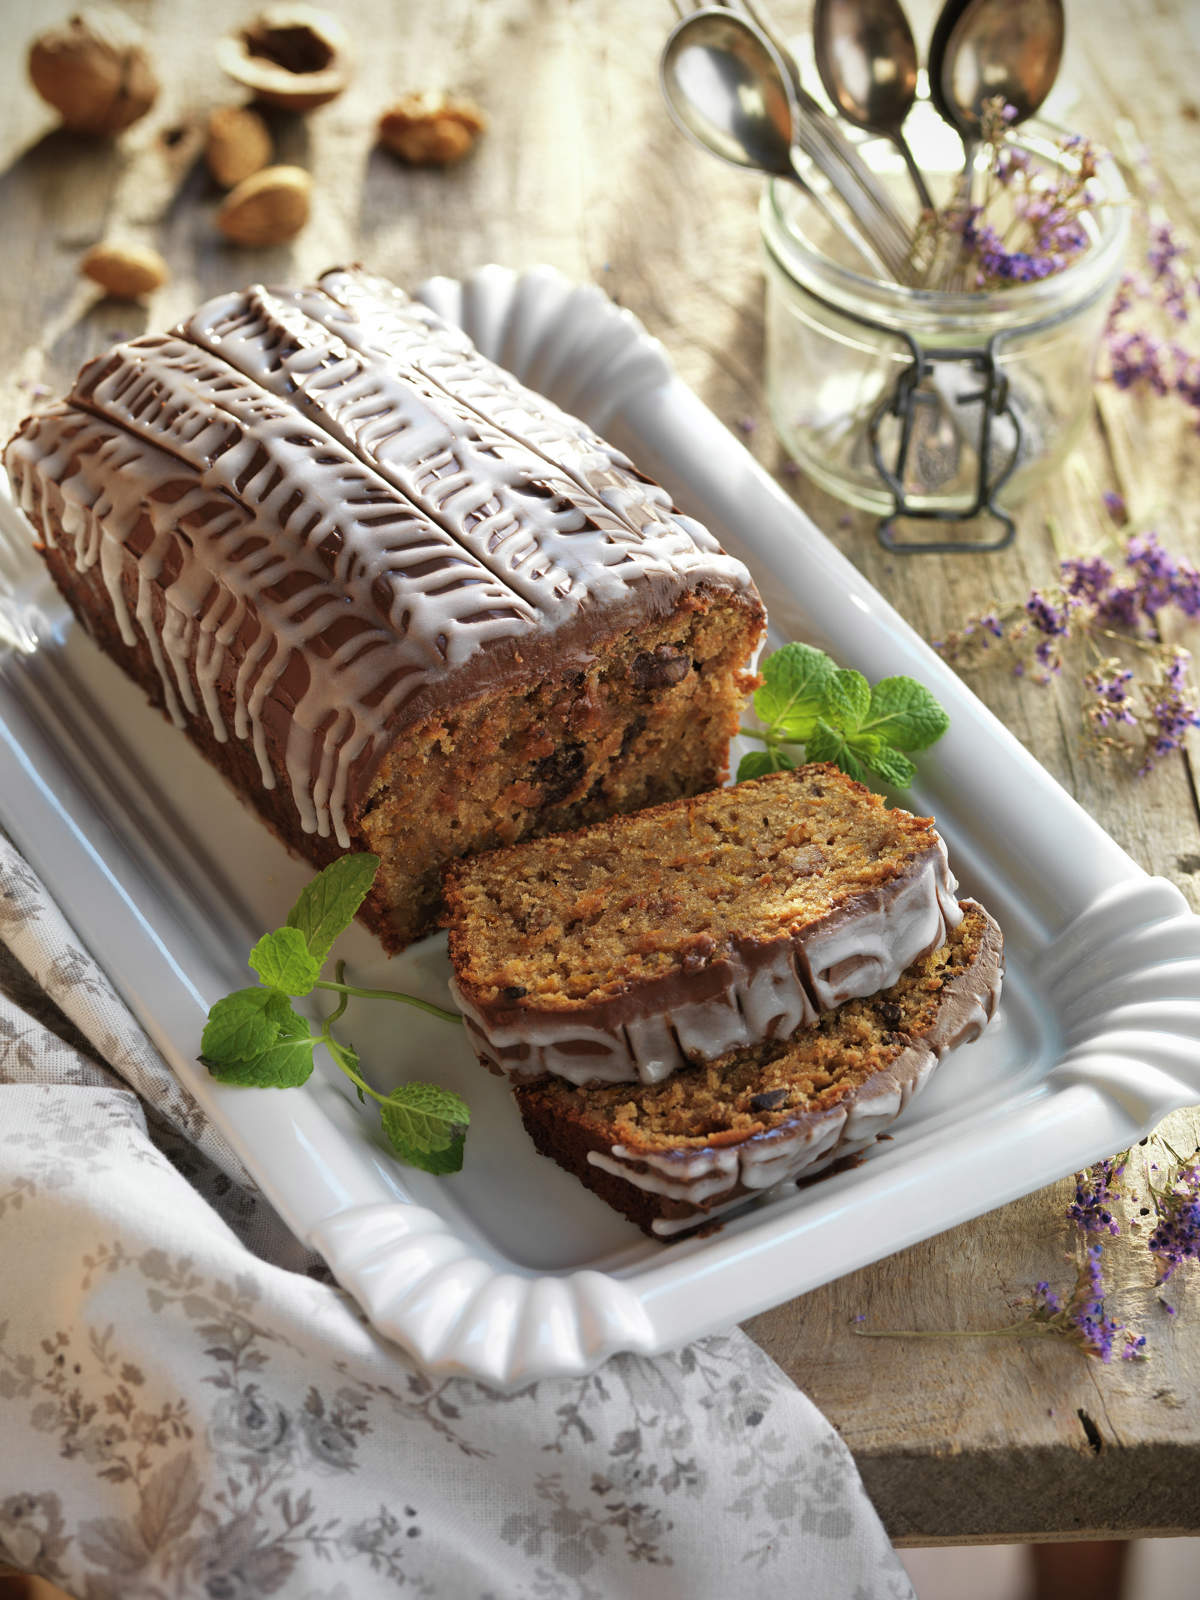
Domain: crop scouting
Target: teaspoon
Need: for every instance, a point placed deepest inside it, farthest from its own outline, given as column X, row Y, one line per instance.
column 867, row 58
column 1010, row 49
column 1006, row 48
column 726, row 89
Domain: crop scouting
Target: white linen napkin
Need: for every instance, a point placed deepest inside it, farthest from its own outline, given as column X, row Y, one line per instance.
column 188, row 1404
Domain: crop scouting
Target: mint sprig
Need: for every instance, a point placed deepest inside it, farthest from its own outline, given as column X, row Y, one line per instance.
column 807, row 700
column 254, row 1037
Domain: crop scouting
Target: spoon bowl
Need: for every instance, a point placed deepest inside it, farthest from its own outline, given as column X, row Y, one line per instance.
column 943, row 28
column 1007, row 48
column 867, row 58
column 725, row 88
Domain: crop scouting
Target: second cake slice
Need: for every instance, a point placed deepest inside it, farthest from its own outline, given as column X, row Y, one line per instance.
column 682, row 933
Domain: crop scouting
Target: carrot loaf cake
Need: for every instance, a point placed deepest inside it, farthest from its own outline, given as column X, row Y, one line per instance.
column 625, row 950
column 403, row 603
column 672, row 1156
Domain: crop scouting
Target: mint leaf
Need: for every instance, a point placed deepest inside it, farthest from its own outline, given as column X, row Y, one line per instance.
column 282, row 960
column 847, row 699
column 828, row 744
column 905, row 714
column 440, row 1162
column 754, row 764
column 793, row 691
column 426, row 1126
column 889, row 763
column 243, row 1025
column 757, row 762
column 284, row 1064
column 327, row 906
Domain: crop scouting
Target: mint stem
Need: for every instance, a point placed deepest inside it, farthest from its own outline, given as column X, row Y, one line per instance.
column 388, row 994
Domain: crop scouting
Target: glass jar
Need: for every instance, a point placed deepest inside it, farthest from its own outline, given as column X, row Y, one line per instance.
column 924, row 402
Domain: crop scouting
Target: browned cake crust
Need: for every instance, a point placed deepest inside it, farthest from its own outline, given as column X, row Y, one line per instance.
column 625, row 950
column 382, row 586
column 670, row 1156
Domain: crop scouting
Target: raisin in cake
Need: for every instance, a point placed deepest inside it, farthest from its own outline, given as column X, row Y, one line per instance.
column 405, row 604
column 622, row 951
column 673, row 1156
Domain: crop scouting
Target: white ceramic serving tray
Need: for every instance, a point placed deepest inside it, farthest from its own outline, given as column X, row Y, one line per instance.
column 511, row 1270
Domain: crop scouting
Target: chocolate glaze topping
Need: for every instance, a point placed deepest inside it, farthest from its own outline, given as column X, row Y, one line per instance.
column 351, row 516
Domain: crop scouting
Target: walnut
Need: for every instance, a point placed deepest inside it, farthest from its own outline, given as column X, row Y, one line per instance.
column 95, row 71
column 431, row 129
column 238, row 144
column 292, row 56
column 269, row 207
column 125, row 271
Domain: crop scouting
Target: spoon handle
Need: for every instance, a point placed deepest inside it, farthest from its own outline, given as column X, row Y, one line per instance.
column 844, row 224
column 829, row 146
column 914, row 172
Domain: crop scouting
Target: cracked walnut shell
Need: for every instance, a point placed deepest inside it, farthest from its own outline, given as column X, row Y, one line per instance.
column 95, row 71
column 431, row 130
column 292, row 56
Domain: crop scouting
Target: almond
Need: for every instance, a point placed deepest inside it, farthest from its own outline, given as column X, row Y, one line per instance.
column 125, row 271
column 238, row 144
column 269, row 207
column 431, row 130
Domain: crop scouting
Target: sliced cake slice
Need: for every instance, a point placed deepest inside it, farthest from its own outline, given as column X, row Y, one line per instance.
column 673, row 1156
column 626, row 950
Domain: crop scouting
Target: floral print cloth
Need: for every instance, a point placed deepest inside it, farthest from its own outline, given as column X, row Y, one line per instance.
column 189, row 1406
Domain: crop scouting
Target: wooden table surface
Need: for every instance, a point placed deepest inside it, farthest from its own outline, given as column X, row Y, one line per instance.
column 957, row 1441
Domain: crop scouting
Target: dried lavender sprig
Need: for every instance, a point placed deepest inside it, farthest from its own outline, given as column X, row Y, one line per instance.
column 1176, row 1237
column 1153, row 308
column 1096, row 601
column 1095, row 1191
column 1083, row 1321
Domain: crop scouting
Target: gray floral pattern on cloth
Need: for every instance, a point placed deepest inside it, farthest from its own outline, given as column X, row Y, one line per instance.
column 187, row 1409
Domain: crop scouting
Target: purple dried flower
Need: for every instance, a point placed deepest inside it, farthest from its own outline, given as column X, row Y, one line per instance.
column 1154, row 569
column 1173, row 713
column 1095, row 1191
column 1010, row 163
column 1119, row 608
column 1046, row 616
column 1114, row 504
column 1176, row 1239
column 1109, row 683
column 1136, row 358
column 1086, row 580
column 1045, row 1299
column 1084, row 1319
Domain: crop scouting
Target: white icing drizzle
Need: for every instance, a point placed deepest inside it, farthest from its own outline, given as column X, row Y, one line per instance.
column 765, row 1161
column 379, row 318
column 537, row 528
column 312, row 522
column 849, row 953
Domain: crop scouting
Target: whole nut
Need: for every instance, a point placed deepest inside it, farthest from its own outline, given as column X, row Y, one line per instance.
column 431, row 130
column 95, row 71
column 125, row 271
column 238, row 144
column 269, row 207
column 292, row 56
